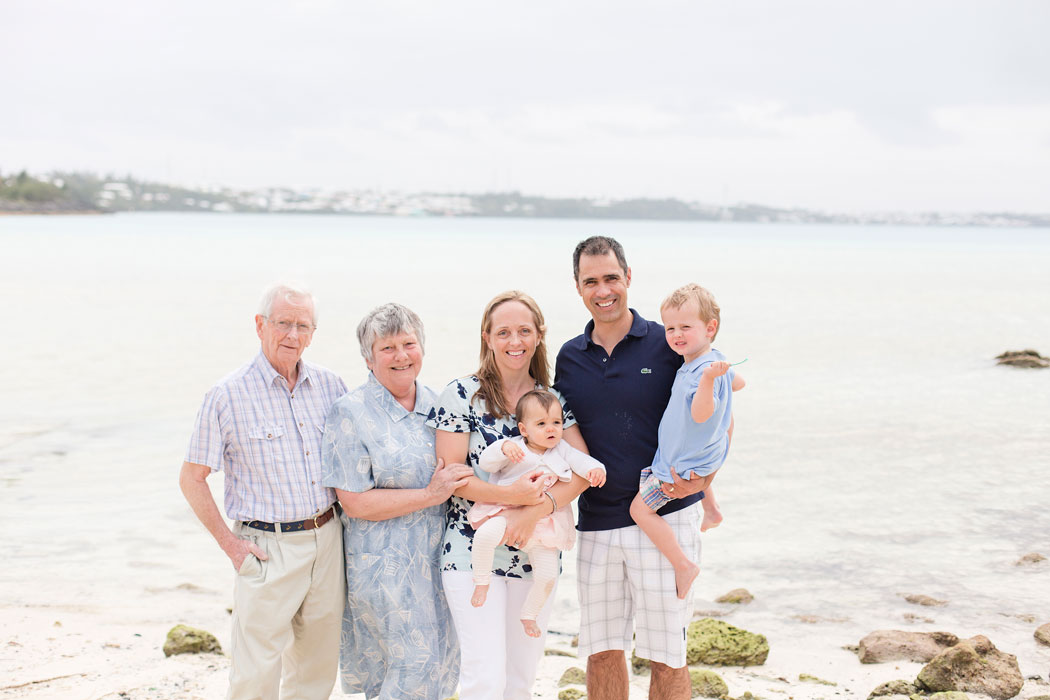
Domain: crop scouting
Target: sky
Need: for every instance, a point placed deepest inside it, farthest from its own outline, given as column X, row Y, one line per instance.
column 840, row 105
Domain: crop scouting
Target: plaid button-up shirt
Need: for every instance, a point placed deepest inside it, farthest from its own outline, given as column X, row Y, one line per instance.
column 267, row 440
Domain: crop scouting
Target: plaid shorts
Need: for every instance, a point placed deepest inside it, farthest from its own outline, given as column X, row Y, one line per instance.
column 649, row 490
column 627, row 590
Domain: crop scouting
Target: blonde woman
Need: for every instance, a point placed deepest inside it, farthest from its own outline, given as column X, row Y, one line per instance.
column 498, row 659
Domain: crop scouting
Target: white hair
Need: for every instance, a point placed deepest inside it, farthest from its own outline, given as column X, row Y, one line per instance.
column 291, row 293
column 384, row 321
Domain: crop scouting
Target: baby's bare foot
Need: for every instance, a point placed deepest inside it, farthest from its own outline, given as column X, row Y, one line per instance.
column 712, row 518
column 684, row 576
column 531, row 628
column 480, row 594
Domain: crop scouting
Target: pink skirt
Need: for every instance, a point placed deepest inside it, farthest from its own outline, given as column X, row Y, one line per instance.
column 556, row 531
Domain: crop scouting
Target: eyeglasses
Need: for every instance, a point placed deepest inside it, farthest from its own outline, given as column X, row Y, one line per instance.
column 287, row 326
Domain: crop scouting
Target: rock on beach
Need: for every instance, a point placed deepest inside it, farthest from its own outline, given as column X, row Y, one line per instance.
column 897, row 645
column 1042, row 634
column 707, row 684
column 183, row 639
column 919, row 599
column 1029, row 359
column 739, row 596
column 893, row 688
column 973, row 665
column 1030, row 558
column 717, row 643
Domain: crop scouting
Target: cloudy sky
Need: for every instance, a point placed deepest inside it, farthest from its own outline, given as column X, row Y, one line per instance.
column 843, row 105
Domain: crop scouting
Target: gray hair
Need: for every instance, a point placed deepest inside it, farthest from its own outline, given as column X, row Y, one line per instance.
column 293, row 294
column 386, row 320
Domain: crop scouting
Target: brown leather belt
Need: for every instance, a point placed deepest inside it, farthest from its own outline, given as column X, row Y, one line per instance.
column 298, row 526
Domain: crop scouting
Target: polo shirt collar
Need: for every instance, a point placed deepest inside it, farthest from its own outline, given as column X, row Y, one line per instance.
column 266, row 369
column 693, row 366
column 639, row 329
column 390, row 405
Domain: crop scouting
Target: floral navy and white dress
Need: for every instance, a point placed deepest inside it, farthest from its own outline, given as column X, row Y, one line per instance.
column 397, row 639
column 458, row 411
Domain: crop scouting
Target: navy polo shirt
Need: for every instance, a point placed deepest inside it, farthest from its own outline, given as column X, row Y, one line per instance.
column 618, row 401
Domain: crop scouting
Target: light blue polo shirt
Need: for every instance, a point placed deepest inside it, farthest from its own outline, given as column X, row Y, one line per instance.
column 687, row 445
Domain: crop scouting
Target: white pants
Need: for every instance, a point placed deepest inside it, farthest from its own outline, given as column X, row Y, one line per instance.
column 498, row 659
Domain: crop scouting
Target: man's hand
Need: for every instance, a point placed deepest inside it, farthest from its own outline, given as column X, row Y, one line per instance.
column 446, row 479
column 683, row 488
column 596, row 477
column 527, row 490
column 512, row 452
column 716, row 369
column 237, row 550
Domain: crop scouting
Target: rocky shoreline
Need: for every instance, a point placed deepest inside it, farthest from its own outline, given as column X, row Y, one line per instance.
column 723, row 660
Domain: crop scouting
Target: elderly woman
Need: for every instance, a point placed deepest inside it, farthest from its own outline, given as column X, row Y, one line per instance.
column 499, row 660
column 378, row 454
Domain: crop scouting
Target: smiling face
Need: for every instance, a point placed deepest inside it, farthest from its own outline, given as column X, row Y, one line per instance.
column 396, row 361
column 686, row 333
column 512, row 336
column 283, row 348
column 541, row 427
column 603, row 284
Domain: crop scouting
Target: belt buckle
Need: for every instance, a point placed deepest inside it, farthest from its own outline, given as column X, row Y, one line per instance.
column 317, row 524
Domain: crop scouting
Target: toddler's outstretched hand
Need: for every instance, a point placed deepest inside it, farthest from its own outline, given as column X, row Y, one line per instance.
column 512, row 452
column 716, row 369
column 596, row 477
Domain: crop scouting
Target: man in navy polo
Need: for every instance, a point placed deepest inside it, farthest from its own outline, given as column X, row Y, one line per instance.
column 617, row 378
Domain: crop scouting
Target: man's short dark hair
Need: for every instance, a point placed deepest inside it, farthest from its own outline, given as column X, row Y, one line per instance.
column 597, row 245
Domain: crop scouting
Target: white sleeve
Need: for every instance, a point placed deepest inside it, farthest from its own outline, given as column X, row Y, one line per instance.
column 579, row 462
column 492, row 459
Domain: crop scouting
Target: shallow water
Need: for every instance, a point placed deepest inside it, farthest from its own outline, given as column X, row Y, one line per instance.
column 878, row 451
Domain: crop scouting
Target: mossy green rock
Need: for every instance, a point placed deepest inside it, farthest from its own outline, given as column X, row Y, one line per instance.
column 639, row 665
column 573, row 675
column 806, row 678
column 945, row 695
column 707, row 684
column 717, row 643
column 571, row 694
column 893, row 688
column 187, row 640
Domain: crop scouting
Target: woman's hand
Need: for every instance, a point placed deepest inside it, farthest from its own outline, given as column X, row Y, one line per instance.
column 527, row 490
column 520, row 524
column 446, row 479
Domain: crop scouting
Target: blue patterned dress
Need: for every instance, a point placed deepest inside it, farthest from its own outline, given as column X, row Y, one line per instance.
column 397, row 638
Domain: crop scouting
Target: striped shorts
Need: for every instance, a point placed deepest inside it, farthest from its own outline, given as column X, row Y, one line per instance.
column 650, row 491
column 627, row 590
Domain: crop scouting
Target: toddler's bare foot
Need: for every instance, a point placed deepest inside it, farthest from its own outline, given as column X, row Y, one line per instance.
column 531, row 628
column 712, row 518
column 684, row 575
column 480, row 594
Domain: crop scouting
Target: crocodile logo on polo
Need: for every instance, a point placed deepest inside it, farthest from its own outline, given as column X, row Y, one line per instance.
column 646, row 370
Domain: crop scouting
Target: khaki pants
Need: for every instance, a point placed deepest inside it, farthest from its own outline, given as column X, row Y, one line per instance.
column 287, row 614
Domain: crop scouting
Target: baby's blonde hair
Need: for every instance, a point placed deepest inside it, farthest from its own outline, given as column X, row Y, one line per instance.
column 705, row 303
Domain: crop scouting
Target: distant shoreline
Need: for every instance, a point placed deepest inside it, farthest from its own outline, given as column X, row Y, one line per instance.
column 85, row 193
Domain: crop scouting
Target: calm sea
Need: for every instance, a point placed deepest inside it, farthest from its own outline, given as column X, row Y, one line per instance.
column 878, row 451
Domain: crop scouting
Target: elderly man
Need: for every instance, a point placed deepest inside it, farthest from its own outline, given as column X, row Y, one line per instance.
column 262, row 426
column 617, row 378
